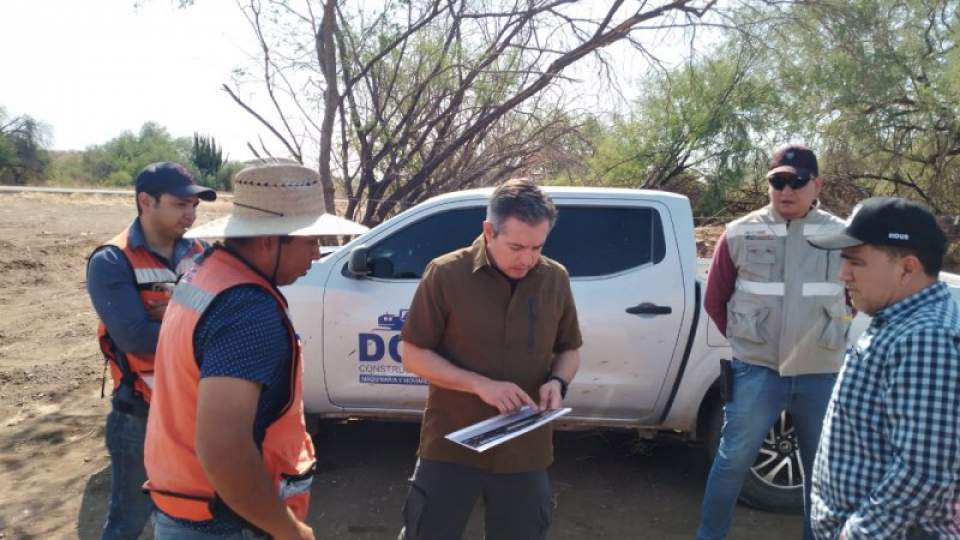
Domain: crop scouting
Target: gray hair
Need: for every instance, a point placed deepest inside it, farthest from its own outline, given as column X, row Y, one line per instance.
column 521, row 199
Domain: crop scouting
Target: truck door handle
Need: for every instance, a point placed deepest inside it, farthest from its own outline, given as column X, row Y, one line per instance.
column 649, row 308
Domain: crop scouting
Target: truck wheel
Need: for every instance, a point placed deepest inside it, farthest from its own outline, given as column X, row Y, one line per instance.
column 775, row 481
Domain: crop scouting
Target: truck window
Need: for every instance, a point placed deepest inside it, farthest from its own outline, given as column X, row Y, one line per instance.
column 589, row 240
column 595, row 241
column 406, row 253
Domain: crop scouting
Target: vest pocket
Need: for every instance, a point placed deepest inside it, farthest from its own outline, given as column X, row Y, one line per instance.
column 834, row 334
column 744, row 321
column 760, row 258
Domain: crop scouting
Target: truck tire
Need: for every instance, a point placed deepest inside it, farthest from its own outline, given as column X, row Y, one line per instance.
column 775, row 481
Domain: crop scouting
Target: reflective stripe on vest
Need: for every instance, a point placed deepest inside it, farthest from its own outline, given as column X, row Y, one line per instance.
column 776, row 288
column 761, row 287
column 154, row 275
column 177, row 483
column 787, row 309
column 778, row 229
column 825, row 288
column 147, row 270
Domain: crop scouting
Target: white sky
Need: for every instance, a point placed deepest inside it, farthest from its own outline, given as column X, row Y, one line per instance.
column 91, row 69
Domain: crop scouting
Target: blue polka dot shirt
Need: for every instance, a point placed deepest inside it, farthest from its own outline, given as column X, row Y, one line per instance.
column 242, row 335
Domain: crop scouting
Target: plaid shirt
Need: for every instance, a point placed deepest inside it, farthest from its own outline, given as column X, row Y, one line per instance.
column 889, row 456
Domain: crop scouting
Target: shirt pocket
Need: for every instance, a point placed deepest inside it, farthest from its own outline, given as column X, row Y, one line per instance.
column 759, row 260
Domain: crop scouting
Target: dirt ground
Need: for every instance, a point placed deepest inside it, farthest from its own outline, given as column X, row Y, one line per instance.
column 54, row 469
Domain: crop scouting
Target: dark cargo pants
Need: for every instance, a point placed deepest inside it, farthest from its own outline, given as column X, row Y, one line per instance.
column 518, row 506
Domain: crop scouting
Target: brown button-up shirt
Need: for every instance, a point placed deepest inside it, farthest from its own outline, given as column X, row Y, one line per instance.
column 465, row 311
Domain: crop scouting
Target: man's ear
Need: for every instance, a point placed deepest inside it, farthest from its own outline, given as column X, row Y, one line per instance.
column 268, row 243
column 145, row 200
column 912, row 267
column 488, row 233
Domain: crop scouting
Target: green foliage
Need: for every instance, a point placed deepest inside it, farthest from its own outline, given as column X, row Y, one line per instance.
column 692, row 131
column 117, row 162
column 223, row 179
column 873, row 84
column 8, row 153
column 206, row 156
column 23, row 156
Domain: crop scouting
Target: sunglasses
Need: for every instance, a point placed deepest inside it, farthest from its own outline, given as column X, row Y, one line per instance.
column 795, row 182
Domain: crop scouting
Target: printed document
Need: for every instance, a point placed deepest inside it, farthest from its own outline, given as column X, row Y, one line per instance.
column 500, row 429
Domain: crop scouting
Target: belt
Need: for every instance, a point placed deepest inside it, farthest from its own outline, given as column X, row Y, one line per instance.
column 133, row 406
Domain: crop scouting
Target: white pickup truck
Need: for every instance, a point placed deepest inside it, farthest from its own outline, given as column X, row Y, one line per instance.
column 651, row 356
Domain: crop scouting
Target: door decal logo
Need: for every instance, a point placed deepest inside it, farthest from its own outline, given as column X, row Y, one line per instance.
column 379, row 352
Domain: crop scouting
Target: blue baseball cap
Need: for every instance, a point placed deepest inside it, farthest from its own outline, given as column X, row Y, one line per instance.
column 794, row 159
column 173, row 178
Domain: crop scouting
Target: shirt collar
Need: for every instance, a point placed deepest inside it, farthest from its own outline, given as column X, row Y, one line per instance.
column 137, row 239
column 135, row 236
column 937, row 292
column 478, row 251
column 780, row 219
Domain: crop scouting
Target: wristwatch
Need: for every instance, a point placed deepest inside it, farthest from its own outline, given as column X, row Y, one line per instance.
column 563, row 385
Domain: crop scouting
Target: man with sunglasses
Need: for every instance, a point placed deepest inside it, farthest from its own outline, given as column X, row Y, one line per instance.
column 782, row 307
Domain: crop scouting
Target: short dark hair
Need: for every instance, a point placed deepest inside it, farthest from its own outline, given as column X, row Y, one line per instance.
column 521, row 199
column 931, row 261
column 136, row 200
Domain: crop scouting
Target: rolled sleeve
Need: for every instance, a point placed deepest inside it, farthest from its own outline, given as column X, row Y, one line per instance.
column 721, row 281
column 115, row 298
column 568, row 330
column 427, row 317
column 923, row 419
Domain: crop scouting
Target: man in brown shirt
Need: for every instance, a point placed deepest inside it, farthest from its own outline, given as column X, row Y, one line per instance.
column 492, row 328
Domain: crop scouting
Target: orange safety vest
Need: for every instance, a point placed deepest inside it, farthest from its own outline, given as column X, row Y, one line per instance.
column 176, row 481
column 154, row 281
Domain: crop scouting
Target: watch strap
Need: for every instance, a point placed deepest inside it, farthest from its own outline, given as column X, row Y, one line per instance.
column 563, row 384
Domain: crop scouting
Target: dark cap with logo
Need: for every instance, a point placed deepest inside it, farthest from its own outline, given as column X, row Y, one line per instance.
column 889, row 221
column 794, row 159
column 173, row 178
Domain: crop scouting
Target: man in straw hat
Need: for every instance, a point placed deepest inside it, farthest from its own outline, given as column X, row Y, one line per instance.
column 227, row 452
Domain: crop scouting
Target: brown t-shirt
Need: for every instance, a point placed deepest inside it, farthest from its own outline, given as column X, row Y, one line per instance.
column 464, row 310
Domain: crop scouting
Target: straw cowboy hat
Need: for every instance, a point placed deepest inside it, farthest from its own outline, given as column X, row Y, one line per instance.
column 277, row 198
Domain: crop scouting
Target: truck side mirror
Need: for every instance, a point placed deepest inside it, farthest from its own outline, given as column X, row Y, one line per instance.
column 359, row 266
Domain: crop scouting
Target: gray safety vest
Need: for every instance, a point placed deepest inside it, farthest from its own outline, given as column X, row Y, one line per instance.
column 788, row 311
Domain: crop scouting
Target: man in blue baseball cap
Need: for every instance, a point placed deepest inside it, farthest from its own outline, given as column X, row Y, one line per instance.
column 129, row 280
column 782, row 308
column 888, row 465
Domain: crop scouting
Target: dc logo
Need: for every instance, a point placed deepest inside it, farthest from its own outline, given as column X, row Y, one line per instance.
column 374, row 347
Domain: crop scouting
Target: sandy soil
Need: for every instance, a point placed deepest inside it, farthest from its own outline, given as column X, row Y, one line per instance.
column 54, row 469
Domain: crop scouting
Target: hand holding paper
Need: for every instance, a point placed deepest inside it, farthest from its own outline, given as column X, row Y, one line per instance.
column 500, row 429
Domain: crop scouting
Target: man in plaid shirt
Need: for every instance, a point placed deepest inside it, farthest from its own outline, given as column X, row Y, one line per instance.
column 888, row 465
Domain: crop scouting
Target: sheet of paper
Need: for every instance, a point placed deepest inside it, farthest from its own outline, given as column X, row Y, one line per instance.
column 500, row 429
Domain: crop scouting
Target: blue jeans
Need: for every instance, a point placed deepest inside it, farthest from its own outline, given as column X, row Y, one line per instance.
column 130, row 507
column 759, row 395
column 165, row 528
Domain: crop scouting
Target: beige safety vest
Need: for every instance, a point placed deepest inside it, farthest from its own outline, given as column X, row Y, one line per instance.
column 788, row 311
